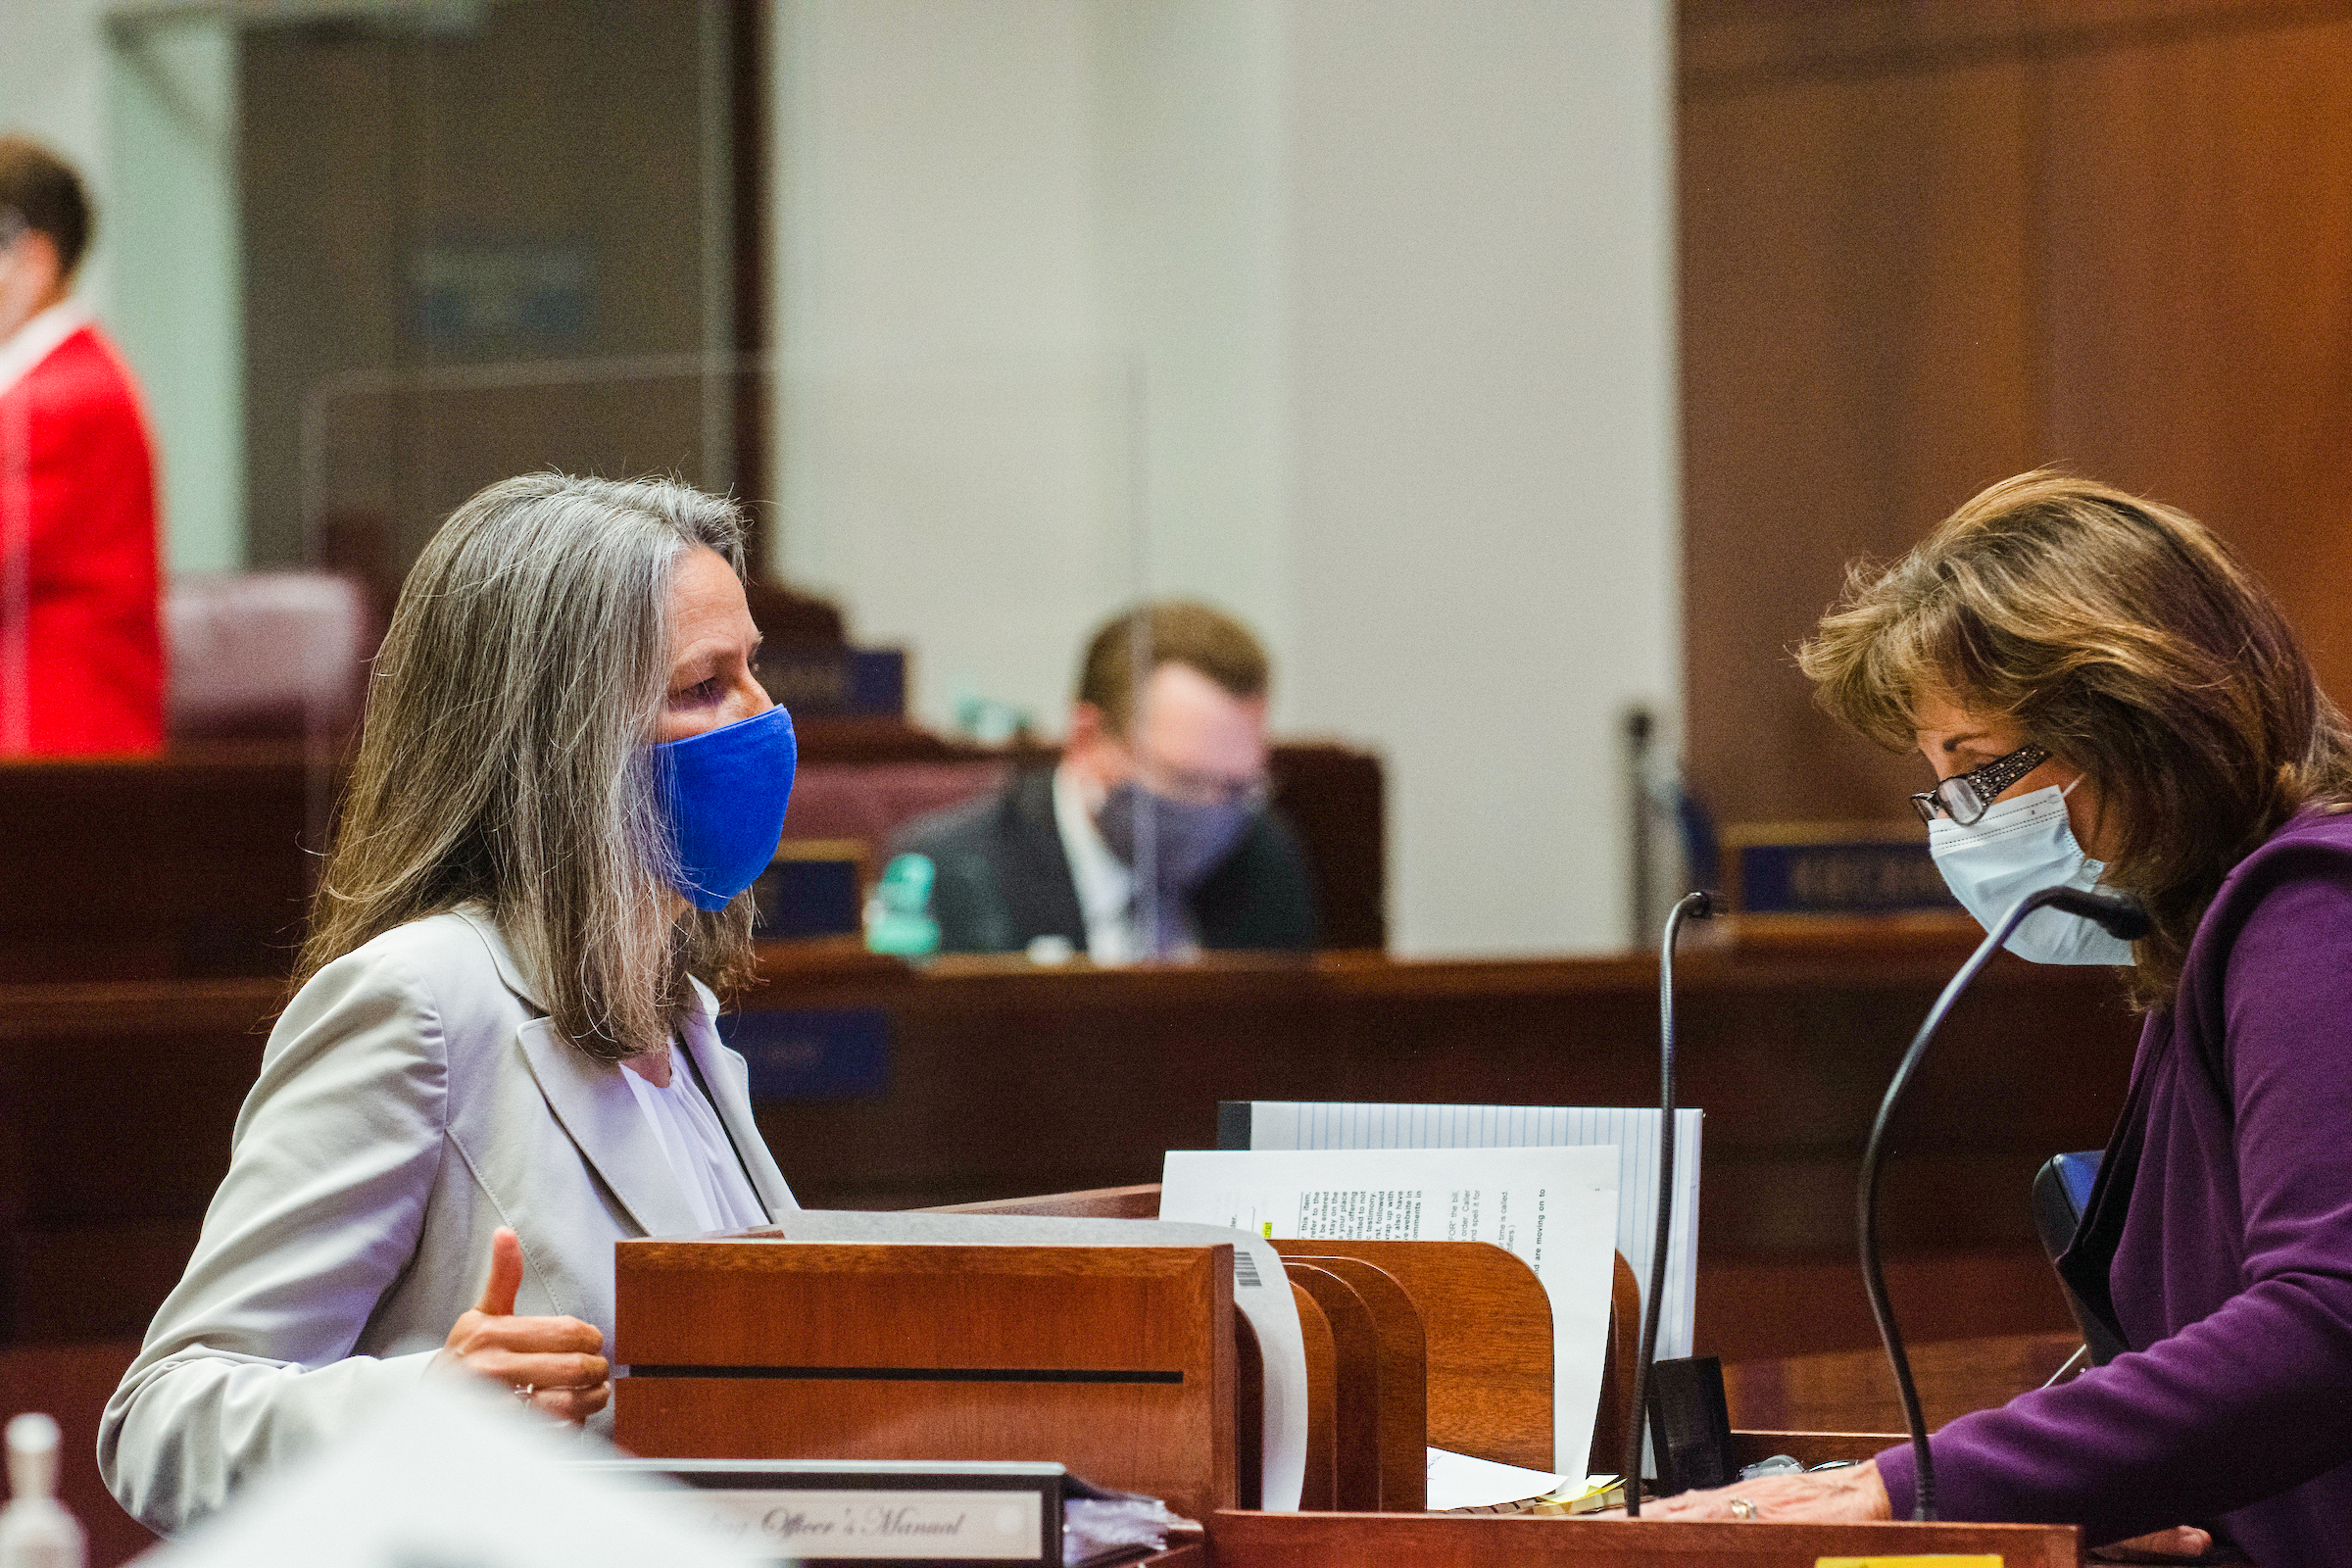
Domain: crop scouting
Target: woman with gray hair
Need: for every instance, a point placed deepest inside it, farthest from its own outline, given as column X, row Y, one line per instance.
column 501, row 1058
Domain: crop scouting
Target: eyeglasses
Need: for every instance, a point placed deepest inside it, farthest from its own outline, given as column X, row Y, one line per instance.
column 1202, row 789
column 1965, row 797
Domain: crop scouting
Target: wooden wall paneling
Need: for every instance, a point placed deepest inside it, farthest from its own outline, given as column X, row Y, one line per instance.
column 1857, row 329
column 2197, row 250
column 752, row 182
column 1788, row 1062
column 1927, row 247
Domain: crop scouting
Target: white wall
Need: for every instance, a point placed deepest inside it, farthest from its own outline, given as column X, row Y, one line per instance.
column 1354, row 316
column 150, row 122
column 948, row 423
column 53, row 87
column 1485, row 523
column 1189, row 221
column 178, row 305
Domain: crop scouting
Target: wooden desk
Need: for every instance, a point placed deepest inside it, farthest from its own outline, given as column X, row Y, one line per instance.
column 198, row 863
column 1005, row 1079
column 1852, row 1391
column 1428, row 1541
column 116, row 1100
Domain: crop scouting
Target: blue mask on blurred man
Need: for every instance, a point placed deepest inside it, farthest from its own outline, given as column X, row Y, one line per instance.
column 1189, row 841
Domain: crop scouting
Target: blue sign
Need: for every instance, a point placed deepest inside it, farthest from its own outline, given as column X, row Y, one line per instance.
column 831, row 683
column 795, row 898
column 1851, row 876
column 812, row 1052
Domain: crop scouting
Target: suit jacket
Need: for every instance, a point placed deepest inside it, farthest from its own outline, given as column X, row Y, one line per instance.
column 1003, row 881
column 81, row 654
column 411, row 1099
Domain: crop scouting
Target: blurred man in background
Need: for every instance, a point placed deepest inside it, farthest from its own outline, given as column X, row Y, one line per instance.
column 81, row 658
column 1152, row 837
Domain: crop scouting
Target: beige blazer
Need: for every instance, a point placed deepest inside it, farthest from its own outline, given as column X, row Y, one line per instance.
column 411, row 1099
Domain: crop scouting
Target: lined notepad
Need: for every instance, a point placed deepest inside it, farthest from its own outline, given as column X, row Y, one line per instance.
column 1301, row 1124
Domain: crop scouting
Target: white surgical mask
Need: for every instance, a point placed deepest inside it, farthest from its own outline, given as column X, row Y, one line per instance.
column 2020, row 847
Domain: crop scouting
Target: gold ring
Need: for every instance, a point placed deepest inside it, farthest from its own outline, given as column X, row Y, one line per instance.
column 1743, row 1510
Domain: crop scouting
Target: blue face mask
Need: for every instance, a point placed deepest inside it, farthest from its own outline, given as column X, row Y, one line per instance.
column 2020, row 847
column 724, row 792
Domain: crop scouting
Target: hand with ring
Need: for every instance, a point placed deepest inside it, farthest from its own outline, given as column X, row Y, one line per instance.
column 556, row 1365
column 1853, row 1496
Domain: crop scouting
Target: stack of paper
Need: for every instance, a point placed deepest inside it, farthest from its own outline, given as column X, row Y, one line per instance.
column 1296, row 1125
column 1554, row 1209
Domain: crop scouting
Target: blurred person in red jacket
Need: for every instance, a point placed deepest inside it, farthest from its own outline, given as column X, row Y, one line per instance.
column 81, row 657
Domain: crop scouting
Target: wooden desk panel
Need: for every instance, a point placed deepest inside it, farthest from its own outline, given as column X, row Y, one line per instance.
column 1008, row 1079
column 116, row 1105
column 188, row 865
column 1492, row 1541
column 199, row 863
column 116, row 1100
column 1853, row 1391
column 1117, row 1361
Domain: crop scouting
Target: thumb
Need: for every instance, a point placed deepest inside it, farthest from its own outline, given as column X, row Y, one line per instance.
column 506, row 1274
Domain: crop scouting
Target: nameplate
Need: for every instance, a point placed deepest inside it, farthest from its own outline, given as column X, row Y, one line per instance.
column 836, row 682
column 800, row 1525
column 812, row 1052
column 1833, row 869
column 818, row 1511
column 812, row 888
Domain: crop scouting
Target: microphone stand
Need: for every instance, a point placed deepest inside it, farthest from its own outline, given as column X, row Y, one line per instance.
column 1697, row 907
column 2119, row 918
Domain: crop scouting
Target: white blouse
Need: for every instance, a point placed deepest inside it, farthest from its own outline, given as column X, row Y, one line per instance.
column 697, row 1147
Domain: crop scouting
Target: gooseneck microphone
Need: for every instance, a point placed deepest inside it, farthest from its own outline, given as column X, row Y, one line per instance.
column 1694, row 906
column 2122, row 919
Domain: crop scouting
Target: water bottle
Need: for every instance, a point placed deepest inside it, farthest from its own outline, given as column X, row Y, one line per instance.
column 35, row 1529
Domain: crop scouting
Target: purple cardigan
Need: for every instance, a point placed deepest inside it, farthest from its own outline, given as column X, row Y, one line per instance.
column 2223, row 1217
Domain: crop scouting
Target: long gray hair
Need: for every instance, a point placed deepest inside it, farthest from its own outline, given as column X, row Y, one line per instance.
column 503, row 755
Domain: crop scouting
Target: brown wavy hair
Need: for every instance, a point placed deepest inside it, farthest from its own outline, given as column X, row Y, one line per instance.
column 2129, row 642
column 1174, row 632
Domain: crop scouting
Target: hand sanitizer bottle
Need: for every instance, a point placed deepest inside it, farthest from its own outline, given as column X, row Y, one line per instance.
column 35, row 1531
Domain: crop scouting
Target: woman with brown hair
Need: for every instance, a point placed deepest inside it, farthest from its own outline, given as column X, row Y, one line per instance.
column 2107, row 696
column 502, row 1056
